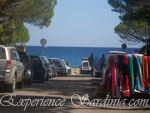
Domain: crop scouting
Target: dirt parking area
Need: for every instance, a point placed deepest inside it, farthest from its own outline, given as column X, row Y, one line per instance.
column 62, row 88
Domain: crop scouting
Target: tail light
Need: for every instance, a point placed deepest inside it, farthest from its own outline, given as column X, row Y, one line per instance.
column 8, row 66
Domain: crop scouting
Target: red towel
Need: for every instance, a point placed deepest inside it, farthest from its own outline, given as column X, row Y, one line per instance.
column 148, row 60
column 143, row 70
column 124, row 75
column 115, row 76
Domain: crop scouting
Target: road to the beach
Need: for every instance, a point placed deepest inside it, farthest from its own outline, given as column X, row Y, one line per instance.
column 65, row 87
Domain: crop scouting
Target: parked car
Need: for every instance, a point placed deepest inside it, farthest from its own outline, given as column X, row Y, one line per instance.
column 39, row 68
column 28, row 71
column 53, row 67
column 85, row 67
column 11, row 69
column 68, row 67
column 60, row 67
column 47, row 64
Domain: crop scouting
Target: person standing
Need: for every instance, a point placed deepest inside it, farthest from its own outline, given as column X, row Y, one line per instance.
column 102, row 61
column 91, row 60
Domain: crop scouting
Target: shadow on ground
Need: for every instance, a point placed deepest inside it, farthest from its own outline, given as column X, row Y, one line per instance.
column 61, row 87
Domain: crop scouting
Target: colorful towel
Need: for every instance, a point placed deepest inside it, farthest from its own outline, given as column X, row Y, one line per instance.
column 131, row 73
column 124, row 75
column 115, row 76
column 148, row 60
column 146, row 74
column 139, row 59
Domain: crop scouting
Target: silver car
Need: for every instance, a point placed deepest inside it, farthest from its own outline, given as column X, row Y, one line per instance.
column 60, row 67
column 11, row 69
column 68, row 67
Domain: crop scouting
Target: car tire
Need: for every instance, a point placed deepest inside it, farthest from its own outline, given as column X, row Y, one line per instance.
column 20, row 84
column 12, row 87
column 43, row 78
column 42, row 81
column 30, row 82
column 55, row 74
column 47, row 77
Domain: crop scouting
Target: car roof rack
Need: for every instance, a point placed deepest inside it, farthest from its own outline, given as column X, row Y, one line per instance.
column 116, row 52
column 84, row 58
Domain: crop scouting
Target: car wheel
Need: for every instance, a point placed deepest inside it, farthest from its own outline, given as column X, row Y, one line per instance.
column 20, row 84
column 55, row 73
column 11, row 87
column 42, row 81
column 43, row 78
column 30, row 81
column 47, row 77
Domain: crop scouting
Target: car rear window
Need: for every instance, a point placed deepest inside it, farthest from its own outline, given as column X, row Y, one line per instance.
column 85, row 64
column 50, row 61
column 2, row 53
column 56, row 61
column 35, row 61
column 24, row 58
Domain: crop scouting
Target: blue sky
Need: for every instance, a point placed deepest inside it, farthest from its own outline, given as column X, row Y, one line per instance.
column 84, row 23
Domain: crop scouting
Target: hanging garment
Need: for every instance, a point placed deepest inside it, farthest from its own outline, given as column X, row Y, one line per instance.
column 143, row 71
column 148, row 60
column 139, row 60
column 115, row 76
column 146, row 74
column 136, row 65
column 131, row 73
column 124, row 75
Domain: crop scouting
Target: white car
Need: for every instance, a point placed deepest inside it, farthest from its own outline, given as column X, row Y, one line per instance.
column 85, row 67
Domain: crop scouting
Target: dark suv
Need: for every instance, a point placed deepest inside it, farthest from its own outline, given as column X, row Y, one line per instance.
column 39, row 68
column 48, row 68
column 28, row 71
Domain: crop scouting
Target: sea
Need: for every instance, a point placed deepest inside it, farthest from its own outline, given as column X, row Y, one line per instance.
column 74, row 55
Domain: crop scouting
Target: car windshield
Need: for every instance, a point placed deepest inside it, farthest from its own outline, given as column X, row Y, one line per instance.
column 2, row 53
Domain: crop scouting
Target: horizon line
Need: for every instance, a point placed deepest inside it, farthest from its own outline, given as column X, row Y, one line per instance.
column 79, row 46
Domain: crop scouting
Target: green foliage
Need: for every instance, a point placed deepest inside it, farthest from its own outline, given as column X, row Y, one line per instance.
column 132, row 10
column 13, row 32
column 133, row 33
column 135, row 17
column 13, row 13
column 37, row 12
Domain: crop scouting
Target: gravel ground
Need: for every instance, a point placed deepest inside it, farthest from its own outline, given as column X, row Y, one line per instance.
column 63, row 88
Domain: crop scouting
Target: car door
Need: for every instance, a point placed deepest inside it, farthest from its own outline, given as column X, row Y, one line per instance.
column 17, row 63
column 2, row 61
